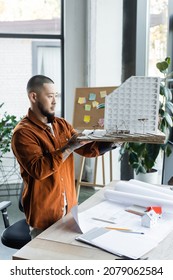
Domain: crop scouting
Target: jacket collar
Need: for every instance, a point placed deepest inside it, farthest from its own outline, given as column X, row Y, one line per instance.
column 32, row 117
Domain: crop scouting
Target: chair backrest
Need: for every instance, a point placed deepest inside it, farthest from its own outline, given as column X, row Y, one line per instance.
column 18, row 234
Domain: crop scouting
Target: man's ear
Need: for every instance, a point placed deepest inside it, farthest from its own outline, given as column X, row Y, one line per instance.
column 32, row 96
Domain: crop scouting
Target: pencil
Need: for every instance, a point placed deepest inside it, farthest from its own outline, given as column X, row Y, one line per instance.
column 115, row 228
column 125, row 230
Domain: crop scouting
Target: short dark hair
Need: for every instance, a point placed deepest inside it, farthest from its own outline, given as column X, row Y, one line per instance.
column 36, row 82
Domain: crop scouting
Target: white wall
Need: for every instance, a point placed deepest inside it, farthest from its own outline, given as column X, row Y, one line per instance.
column 75, row 51
column 101, row 44
column 105, row 61
column 108, row 42
column 75, row 57
column 93, row 42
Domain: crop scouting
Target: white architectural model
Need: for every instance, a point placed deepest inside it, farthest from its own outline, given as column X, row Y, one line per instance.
column 149, row 219
column 133, row 106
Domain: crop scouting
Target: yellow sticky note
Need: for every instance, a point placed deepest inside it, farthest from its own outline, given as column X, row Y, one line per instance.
column 95, row 104
column 103, row 93
column 87, row 107
column 87, row 118
column 81, row 100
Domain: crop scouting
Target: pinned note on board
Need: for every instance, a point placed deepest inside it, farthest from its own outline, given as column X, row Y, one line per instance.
column 92, row 96
column 95, row 104
column 87, row 118
column 87, row 107
column 81, row 100
column 103, row 93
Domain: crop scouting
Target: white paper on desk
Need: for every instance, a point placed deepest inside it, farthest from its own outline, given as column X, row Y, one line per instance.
column 113, row 211
column 74, row 212
column 106, row 210
column 138, row 199
column 119, row 243
column 126, row 244
column 123, row 243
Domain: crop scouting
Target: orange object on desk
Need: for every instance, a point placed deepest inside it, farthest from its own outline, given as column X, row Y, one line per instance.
column 157, row 209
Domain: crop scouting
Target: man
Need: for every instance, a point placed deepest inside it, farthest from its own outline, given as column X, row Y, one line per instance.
column 43, row 145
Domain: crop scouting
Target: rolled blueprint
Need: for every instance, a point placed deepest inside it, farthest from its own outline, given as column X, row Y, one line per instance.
column 129, row 187
column 161, row 188
column 138, row 199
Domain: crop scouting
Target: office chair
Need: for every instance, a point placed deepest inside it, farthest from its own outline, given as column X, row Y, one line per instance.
column 16, row 235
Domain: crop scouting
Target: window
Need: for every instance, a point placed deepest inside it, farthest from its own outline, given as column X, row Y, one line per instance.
column 152, row 35
column 31, row 42
column 30, row 17
column 158, row 31
column 31, row 39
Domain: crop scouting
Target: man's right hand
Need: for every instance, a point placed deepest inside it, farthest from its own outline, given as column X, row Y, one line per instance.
column 76, row 143
column 73, row 144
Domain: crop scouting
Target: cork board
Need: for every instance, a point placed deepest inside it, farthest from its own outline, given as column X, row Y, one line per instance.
column 89, row 107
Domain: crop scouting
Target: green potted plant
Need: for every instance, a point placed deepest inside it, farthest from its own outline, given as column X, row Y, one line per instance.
column 7, row 124
column 142, row 156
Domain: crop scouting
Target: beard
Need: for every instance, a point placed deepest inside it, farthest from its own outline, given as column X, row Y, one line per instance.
column 44, row 112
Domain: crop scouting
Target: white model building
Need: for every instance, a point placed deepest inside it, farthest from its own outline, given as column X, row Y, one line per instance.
column 133, row 106
column 149, row 219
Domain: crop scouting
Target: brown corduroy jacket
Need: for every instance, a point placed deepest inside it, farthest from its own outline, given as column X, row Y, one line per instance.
column 46, row 177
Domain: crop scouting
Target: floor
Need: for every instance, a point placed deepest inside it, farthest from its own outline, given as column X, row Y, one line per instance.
column 15, row 214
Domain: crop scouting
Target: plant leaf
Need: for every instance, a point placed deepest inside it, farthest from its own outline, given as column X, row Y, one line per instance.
column 168, row 59
column 140, row 169
column 162, row 66
column 169, row 106
column 167, row 93
column 133, row 158
column 152, row 151
column 168, row 118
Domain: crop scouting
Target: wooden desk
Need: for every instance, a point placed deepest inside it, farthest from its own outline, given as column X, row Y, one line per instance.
column 58, row 241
